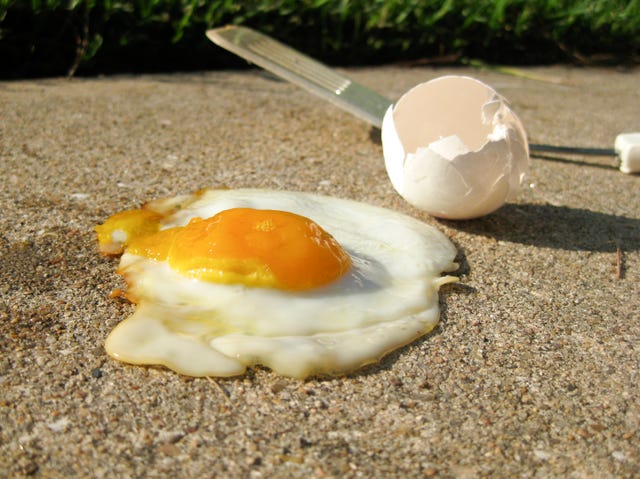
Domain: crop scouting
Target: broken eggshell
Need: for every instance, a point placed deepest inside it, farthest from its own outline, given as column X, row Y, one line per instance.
column 453, row 148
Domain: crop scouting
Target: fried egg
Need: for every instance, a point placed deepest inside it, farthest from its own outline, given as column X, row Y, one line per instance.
column 300, row 283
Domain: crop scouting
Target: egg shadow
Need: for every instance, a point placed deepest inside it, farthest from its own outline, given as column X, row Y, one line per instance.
column 559, row 227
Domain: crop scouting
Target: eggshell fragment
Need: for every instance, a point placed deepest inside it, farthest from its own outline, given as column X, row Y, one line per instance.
column 627, row 146
column 454, row 148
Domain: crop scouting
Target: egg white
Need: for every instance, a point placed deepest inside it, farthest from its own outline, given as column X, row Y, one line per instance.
column 200, row 328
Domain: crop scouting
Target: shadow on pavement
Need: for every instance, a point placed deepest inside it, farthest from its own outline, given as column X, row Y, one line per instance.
column 556, row 227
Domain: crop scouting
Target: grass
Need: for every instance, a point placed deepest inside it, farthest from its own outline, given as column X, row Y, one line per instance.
column 57, row 37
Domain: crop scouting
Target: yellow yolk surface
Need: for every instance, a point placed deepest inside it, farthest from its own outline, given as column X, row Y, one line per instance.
column 122, row 227
column 267, row 248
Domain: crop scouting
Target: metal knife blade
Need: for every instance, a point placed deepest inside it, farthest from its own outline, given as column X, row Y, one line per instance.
column 303, row 71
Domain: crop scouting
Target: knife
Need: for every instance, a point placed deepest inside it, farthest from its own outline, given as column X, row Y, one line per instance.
column 357, row 99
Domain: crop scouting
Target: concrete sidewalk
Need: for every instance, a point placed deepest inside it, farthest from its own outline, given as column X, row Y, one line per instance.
column 533, row 371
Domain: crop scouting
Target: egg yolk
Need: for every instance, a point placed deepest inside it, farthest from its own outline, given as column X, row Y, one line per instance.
column 265, row 248
column 119, row 229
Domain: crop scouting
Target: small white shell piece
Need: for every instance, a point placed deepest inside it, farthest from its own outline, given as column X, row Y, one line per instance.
column 454, row 148
column 627, row 147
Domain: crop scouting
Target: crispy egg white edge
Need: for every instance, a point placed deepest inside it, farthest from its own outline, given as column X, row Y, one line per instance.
column 229, row 355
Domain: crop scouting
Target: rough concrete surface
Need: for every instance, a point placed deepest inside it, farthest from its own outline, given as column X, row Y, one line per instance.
column 532, row 372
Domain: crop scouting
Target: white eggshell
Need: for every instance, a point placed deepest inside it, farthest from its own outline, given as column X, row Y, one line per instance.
column 454, row 148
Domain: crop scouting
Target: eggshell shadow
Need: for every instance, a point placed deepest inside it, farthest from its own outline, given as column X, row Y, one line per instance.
column 559, row 227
